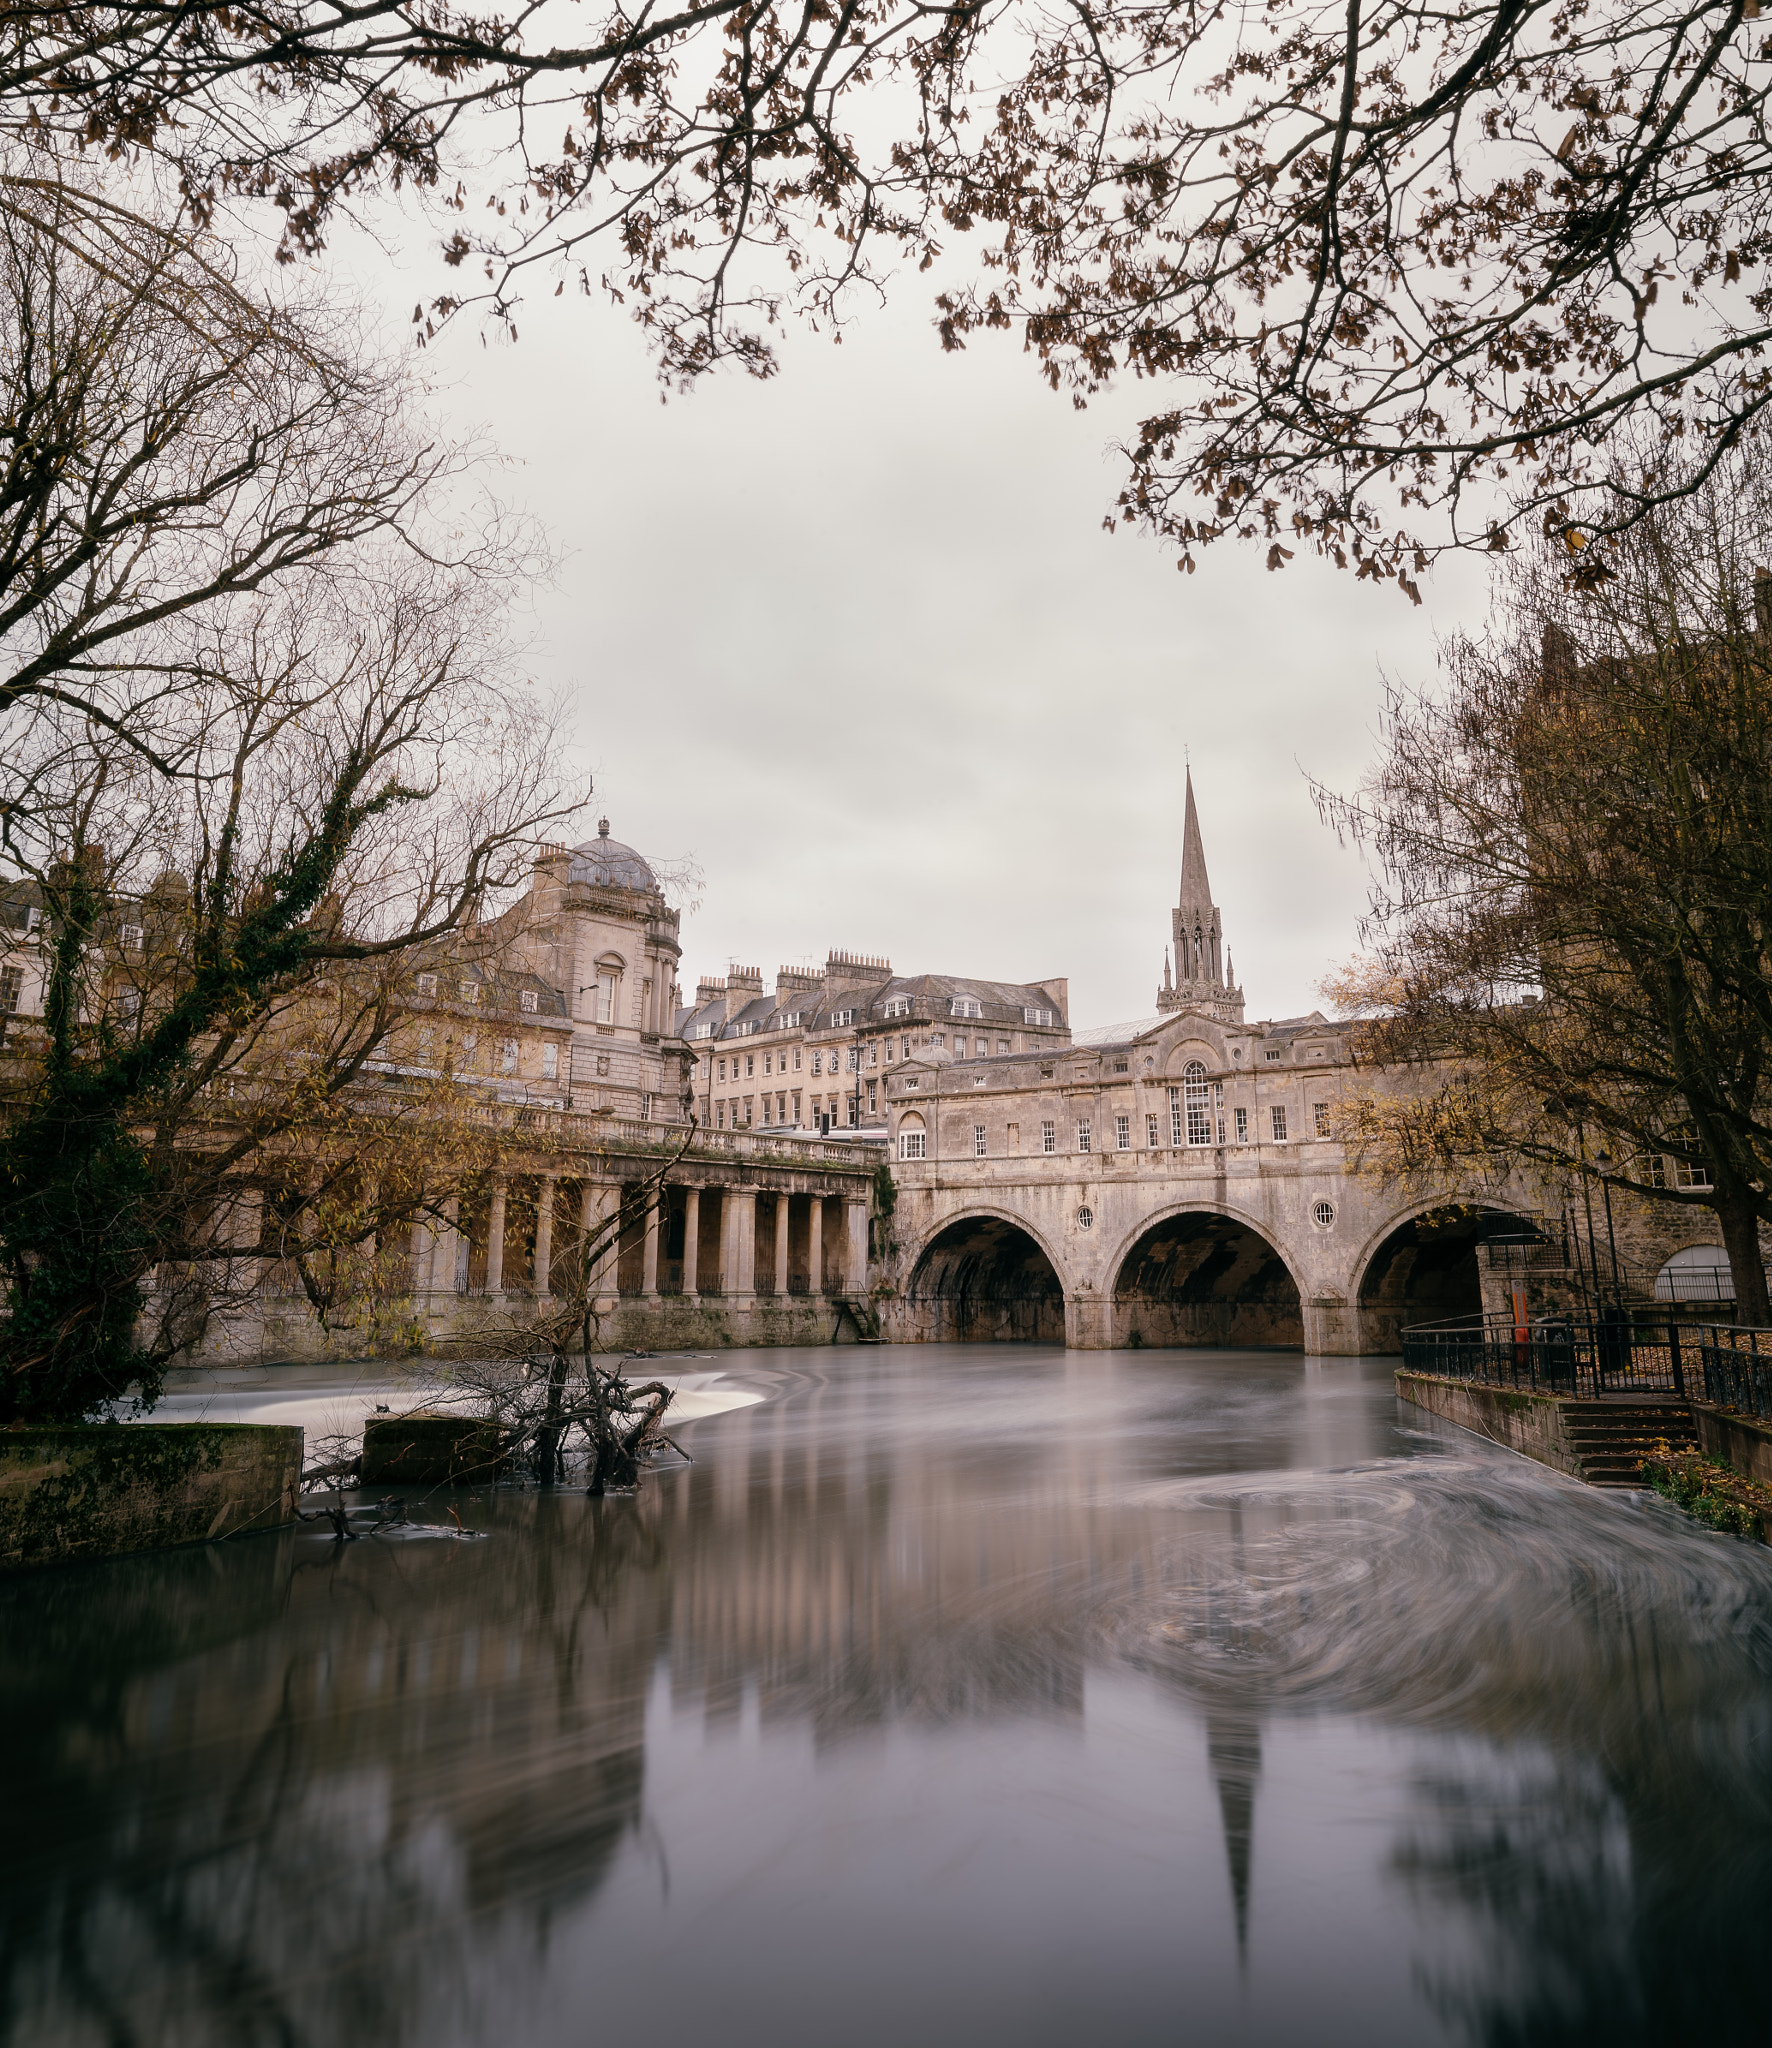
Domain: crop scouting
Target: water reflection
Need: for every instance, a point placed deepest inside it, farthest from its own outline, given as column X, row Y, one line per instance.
column 970, row 1695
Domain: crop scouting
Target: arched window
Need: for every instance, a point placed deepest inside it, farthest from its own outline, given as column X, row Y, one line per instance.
column 1199, row 1117
column 911, row 1138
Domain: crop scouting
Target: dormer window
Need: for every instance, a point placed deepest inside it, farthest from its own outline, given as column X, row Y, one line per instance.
column 427, row 984
column 897, row 1006
column 132, row 936
column 841, row 1018
column 1036, row 1016
column 470, row 991
column 965, row 1006
column 527, row 1000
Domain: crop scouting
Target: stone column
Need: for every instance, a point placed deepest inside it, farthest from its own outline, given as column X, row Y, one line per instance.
column 691, row 1239
column 370, row 1197
column 246, row 1224
column 781, row 1244
column 424, row 1253
column 600, row 1205
column 741, row 1241
column 447, row 1257
column 815, row 1246
column 855, row 1216
column 495, row 1237
column 649, row 1255
column 544, row 1234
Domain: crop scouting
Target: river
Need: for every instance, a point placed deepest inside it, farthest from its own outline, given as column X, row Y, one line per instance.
column 988, row 1695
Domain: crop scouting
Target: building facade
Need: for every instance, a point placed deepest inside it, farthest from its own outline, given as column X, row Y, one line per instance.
column 1181, row 1179
column 1177, row 1179
column 817, row 1051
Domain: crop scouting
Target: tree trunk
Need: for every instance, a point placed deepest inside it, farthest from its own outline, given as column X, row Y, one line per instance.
column 547, row 1439
column 1741, row 1239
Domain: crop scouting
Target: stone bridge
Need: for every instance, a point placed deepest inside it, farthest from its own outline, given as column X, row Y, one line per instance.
column 1176, row 1187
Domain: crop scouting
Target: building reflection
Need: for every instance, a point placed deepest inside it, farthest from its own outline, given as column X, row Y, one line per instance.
column 280, row 1789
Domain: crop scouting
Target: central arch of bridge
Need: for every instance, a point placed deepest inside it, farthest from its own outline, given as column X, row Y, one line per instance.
column 982, row 1280
column 1203, row 1278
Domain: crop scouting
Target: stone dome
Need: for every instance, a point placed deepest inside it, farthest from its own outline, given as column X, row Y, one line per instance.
column 606, row 864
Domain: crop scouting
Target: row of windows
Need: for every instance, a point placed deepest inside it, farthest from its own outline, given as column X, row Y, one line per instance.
column 846, row 1059
column 911, row 1142
column 527, row 999
column 503, row 1053
column 775, row 1110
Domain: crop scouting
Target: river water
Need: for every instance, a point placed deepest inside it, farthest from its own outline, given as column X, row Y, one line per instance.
column 953, row 1695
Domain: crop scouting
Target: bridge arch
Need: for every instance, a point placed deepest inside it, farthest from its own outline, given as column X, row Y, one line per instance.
column 1422, row 1266
column 1201, row 1274
column 984, row 1276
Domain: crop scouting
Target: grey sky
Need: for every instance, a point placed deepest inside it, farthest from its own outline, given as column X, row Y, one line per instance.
column 855, row 640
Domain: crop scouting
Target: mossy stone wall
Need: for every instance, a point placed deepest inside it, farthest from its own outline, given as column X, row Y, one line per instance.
column 104, row 1489
column 1529, row 1423
column 1737, row 1440
column 430, row 1447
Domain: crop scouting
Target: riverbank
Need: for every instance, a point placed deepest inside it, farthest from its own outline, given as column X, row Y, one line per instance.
column 76, row 1491
column 1607, row 1442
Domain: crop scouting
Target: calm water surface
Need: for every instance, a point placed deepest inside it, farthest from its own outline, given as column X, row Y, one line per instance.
column 988, row 1695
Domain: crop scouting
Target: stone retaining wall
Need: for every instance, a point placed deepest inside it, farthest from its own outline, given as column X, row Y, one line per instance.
column 1738, row 1440
column 284, row 1331
column 1531, row 1424
column 101, row 1490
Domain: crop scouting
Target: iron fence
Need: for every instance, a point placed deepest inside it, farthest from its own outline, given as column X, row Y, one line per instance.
column 1616, row 1349
column 1738, row 1369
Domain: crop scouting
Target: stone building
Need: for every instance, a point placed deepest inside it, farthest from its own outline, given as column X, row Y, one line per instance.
column 817, row 1051
column 1179, row 1179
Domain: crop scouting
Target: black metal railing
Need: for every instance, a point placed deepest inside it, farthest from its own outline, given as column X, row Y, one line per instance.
column 1737, row 1366
column 1615, row 1349
column 799, row 1283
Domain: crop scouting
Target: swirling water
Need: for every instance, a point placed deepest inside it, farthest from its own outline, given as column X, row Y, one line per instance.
column 983, row 1695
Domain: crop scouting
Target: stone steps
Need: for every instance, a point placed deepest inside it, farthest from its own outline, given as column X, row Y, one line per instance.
column 1610, row 1439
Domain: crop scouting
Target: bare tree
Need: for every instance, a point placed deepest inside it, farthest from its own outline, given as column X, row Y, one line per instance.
column 1570, row 962
column 261, row 744
column 1403, row 277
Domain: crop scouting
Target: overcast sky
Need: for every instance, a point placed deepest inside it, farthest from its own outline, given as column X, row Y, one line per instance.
column 855, row 641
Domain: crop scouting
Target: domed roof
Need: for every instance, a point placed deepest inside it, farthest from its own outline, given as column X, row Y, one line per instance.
column 606, row 864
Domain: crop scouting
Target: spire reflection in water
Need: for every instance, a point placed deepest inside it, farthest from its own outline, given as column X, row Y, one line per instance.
column 988, row 1694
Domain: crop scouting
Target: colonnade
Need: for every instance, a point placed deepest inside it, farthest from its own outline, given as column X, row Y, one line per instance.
column 734, row 1243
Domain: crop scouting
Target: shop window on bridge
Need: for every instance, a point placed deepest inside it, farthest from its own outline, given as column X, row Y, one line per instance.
column 911, row 1141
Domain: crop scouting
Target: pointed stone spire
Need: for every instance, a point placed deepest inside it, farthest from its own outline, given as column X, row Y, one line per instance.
column 1195, row 888
column 1202, row 968
column 1167, row 983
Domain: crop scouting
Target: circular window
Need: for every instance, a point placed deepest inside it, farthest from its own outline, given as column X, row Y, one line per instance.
column 1085, row 1219
column 1323, row 1215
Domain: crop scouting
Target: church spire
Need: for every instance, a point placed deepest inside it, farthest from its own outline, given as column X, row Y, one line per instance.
column 1202, row 966
column 1195, row 888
